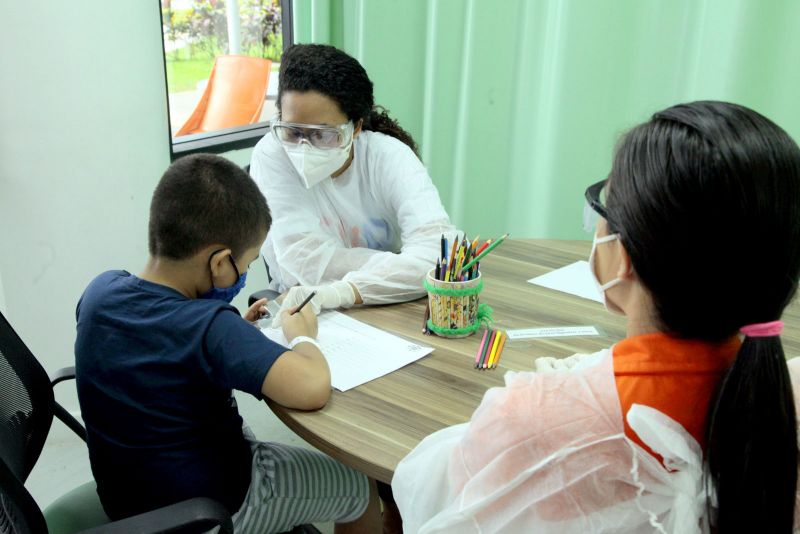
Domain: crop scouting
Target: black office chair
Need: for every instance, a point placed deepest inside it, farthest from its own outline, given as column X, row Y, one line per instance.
column 27, row 406
column 264, row 293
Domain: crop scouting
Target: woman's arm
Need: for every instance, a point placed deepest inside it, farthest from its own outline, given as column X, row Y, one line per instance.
column 309, row 252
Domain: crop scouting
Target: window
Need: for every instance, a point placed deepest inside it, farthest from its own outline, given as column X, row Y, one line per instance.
column 221, row 59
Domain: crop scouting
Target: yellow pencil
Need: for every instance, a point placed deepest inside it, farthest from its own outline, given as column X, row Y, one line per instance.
column 499, row 351
column 490, row 359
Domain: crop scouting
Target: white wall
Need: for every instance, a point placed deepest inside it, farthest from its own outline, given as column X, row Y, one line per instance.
column 82, row 144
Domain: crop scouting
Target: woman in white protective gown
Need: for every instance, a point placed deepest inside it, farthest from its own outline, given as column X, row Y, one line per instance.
column 356, row 218
column 686, row 425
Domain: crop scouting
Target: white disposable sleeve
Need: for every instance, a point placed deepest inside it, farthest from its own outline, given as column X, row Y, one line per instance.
column 306, row 254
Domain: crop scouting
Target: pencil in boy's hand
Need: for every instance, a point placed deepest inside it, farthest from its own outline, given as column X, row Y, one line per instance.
column 306, row 301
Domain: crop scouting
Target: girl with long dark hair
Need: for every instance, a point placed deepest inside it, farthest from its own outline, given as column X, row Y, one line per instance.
column 686, row 425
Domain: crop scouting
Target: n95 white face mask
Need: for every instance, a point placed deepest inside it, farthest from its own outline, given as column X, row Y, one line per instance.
column 315, row 164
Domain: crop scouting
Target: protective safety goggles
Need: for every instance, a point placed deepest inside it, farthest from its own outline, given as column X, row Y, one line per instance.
column 595, row 207
column 317, row 135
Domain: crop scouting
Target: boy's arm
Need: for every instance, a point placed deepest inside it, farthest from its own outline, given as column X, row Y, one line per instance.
column 300, row 378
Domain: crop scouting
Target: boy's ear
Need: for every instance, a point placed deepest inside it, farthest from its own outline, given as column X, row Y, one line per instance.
column 357, row 129
column 219, row 257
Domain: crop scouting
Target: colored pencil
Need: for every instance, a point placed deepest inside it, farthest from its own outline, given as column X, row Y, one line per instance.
column 487, row 350
column 483, row 247
column 480, row 347
column 485, row 252
column 490, row 357
column 425, row 321
column 500, row 350
column 451, row 260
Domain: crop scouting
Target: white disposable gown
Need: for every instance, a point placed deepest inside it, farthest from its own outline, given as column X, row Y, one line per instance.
column 547, row 453
column 378, row 225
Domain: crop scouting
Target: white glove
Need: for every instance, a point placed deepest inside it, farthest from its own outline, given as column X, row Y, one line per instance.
column 336, row 295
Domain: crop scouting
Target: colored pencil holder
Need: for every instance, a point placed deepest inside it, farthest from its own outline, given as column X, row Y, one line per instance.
column 455, row 309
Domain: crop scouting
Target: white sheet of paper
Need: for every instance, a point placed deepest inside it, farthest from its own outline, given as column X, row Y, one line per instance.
column 552, row 331
column 575, row 279
column 357, row 352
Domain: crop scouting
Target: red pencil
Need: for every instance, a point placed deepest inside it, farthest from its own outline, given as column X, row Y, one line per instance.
column 480, row 249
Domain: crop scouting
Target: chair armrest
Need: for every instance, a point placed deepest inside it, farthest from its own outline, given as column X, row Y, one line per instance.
column 65, row 373
column 64, row 416
column 191, row 516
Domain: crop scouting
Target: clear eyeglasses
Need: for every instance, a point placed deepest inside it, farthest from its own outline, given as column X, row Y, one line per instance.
column 595, row 207
column 317, row 135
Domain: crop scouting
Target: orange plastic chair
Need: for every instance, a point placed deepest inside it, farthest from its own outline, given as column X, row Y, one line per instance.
column 234, row 95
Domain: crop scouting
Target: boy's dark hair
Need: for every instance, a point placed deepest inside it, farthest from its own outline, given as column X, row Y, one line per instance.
column 204, row 199
column 329, row 71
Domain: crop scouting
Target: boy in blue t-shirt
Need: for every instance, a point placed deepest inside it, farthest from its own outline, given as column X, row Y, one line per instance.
column 158, row 355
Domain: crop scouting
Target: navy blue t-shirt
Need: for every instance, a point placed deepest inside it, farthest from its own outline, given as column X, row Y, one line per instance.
column 155, row 373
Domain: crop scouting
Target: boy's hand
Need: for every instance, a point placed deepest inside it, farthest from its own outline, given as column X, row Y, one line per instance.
column 335, row 295
column 256, row 311
column 303, row 323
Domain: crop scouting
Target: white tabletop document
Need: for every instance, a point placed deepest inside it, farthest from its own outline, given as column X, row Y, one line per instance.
column 357, row 352
column 575, row 279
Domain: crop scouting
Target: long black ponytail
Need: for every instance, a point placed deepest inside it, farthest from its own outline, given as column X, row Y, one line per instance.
column 706, row 199
column 331, row 72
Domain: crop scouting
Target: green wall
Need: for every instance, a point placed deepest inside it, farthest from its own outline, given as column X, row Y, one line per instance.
column 517, row 104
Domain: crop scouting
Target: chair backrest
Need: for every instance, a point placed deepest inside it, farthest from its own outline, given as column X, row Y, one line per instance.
column 26, row 404
column 19, row 513
column 234, row 95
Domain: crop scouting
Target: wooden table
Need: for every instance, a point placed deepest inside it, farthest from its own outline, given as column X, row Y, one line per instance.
column 372, row 427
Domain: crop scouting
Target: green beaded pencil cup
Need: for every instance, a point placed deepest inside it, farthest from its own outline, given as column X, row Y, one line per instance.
column 455, row 308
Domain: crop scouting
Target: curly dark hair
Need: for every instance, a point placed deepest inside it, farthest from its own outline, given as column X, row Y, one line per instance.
column 329, row 71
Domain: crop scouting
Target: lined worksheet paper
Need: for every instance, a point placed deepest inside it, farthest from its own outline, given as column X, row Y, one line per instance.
column 357, row 352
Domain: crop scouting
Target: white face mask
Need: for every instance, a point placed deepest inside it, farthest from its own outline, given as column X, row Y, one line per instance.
column 610, row 306
column 315, row 164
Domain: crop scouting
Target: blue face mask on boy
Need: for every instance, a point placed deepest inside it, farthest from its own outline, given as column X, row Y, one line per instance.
column 226, row 293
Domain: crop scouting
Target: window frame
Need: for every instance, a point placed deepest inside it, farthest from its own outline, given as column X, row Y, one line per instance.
column 225, row 140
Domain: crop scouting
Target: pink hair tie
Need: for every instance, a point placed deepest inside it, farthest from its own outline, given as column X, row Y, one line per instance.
column 772, row 328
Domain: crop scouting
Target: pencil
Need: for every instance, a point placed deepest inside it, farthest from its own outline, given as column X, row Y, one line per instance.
column 485, row 252
column 495, row 341
column 308, row 299
column 483, row 247
column 499, row 350
column 487, row 350
column 480, row 347
column 425, row 321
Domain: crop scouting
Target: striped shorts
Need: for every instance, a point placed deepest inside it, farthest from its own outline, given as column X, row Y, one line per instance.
column 292, row 486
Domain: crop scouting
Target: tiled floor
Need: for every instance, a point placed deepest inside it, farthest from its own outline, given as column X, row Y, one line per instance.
column 64, row 463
